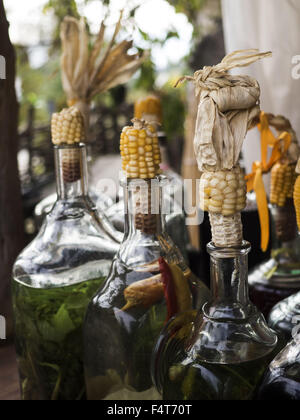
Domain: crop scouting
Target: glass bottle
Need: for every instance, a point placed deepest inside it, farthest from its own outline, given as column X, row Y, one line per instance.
column 285, row 316
column 222, row 352
column 54, row 279
column 279, row 277
column 125, row 318
column 282, row 380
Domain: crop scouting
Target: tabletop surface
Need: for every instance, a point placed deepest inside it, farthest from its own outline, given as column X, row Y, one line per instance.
column 9, row 382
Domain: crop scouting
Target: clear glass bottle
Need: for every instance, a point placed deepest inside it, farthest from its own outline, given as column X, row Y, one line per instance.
column 279, row 277
column 222, row 352
column 54, row 279
column 285, row 316
column 282, row 380
column 125, row 318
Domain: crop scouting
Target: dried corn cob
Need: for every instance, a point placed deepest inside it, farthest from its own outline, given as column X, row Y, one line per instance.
column 223, row 195
column 140, row 151
column 149, row 109
column 67, row 127
column 68, row 130
column 223, row 192
column 283, row 177
column 297, row 200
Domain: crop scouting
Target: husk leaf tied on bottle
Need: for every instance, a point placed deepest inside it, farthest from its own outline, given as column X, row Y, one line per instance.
column 228, row 107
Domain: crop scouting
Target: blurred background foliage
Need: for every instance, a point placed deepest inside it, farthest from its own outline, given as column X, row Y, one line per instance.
column 41, row 87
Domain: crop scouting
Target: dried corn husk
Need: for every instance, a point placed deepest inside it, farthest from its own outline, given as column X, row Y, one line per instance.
column 228, row 107
column 88, row 71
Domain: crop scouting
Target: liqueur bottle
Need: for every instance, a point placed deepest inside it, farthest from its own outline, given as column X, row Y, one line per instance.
column 149, row 282
column 282, row 380
column 55, row 277
column 222, row 352
column 279, row 277
column 150, row 109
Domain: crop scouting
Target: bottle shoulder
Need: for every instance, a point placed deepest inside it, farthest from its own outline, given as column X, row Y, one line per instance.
column 70, row 238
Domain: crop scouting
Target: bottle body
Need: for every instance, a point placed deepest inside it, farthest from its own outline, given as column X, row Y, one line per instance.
column 127, row 315
column 54, row 279
column 285, row 316
column 221, row 352
column 48, row 328
column 282, row 380
column 279, row 277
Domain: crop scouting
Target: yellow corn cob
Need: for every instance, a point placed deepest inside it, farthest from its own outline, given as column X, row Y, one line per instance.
column 68, row 130
column 140, row 151
column 297, row 200
column 283, row 179
column 223, row 192
column 149, row 109
column 67, row 127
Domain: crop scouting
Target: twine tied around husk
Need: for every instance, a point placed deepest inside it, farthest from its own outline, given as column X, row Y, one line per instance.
column 228, row 107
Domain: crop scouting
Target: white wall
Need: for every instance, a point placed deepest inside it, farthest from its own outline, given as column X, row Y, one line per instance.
column 269, row 25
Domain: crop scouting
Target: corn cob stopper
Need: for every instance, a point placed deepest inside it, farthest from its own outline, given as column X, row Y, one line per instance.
column 221, row 127
column 223, row 192
column 149, row 109
column 68, row 130
column 141, row 159
column 67, row 127
column 283, row 178
column 140, row 152
column 223, row 195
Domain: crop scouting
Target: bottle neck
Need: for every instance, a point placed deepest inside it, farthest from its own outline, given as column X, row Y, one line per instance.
column 229, row 278
column 143, row 208
column 71, row 171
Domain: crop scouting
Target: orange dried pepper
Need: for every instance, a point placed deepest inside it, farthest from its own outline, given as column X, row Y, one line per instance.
column 144, row 293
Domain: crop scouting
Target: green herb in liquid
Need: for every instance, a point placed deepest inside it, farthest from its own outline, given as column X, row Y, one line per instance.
column 49, row 346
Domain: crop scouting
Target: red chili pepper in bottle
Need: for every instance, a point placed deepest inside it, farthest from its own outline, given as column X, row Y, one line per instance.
column 169, row 289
